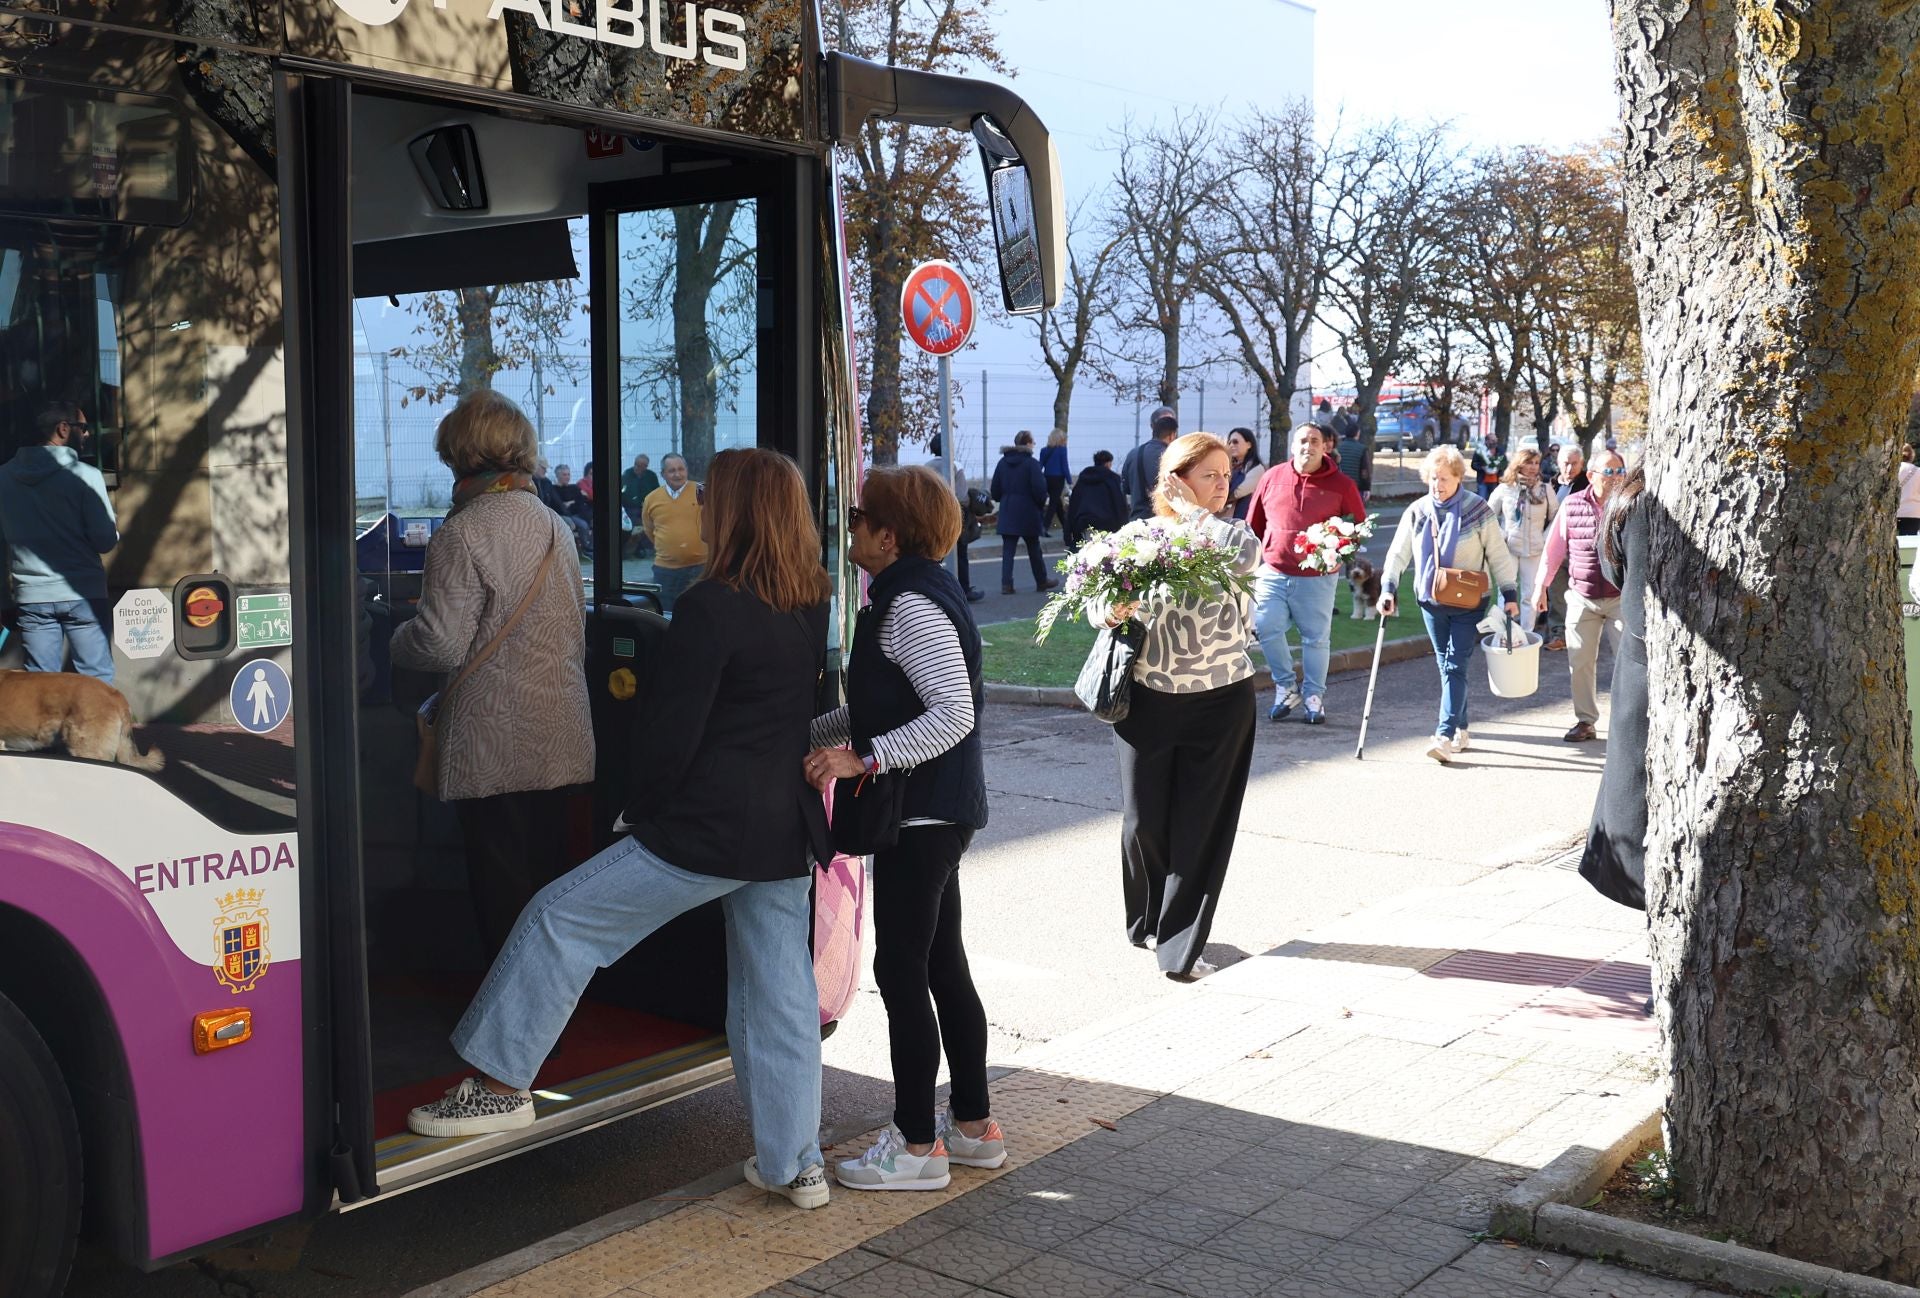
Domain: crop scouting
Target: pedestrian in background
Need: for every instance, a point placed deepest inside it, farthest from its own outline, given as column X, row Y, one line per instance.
column 913, row 707
column 1186, row 743
column 1307, row 489
column 671, row 518
column 55, row 523
column 1099, row 501
column 1909, row 508
column 1021, row 489
column 1525, row 507
column 1614, row 861
column 718, row 810
column 1248, row 469
column 1140, row 471
column 501, row 549
column 1355, row 456
column 1056, row 469
column 1593, row 602
column 1449, row 528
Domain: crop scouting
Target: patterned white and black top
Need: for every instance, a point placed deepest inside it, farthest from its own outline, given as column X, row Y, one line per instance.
column 1195, row 643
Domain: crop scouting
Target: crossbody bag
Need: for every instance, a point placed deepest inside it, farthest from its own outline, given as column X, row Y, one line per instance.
column 1456, row 587
column 426, row 763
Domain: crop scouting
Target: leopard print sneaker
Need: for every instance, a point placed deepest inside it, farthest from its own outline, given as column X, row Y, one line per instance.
column 472, row 1109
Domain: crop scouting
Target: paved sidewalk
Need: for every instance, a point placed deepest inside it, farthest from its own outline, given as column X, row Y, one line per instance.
column 1333, row 1119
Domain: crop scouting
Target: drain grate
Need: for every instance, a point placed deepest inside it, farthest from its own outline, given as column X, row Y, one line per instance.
column 1566, row 859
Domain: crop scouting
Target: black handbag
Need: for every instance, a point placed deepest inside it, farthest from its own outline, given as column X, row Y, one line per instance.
column 866, row 812
column 1106, row 680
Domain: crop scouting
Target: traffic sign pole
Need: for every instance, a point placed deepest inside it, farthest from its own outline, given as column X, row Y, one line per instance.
column 946, row 441
column 937, row 308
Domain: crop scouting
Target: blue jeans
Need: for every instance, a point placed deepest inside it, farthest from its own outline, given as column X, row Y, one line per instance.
column 589, row 918
column 1455, row 633
column 47, row 630
column 674, row 582
column 1306, row 604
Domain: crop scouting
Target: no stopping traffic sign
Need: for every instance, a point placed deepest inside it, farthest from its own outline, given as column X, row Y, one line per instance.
column 936, row 305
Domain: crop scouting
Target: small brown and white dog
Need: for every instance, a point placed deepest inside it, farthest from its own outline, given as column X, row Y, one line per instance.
column 1364, row 583
column 89, row 718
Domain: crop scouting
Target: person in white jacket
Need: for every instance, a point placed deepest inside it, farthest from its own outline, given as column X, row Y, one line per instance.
column 1524, row 507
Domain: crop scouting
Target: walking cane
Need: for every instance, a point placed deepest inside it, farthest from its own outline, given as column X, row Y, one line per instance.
column 1373, row 678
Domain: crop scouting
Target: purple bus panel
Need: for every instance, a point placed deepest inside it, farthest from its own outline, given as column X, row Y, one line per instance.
column 221, row 1135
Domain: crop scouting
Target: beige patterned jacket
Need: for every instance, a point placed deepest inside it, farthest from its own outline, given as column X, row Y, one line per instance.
column 520, row 721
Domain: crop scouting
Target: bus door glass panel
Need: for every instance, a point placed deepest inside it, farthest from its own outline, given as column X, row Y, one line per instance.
column 689, row 365
column 415, row 355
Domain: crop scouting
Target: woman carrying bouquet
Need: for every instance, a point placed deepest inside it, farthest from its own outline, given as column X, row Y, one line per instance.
column 1449, row 528
column 1186, row 744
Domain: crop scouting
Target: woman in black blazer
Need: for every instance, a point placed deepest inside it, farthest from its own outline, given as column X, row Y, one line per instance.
column 720, row 811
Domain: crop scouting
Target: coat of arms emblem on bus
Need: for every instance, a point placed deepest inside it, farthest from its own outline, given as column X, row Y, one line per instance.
column 240, row 940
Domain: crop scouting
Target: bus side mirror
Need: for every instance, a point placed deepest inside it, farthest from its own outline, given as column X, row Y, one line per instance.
column 1015, row 223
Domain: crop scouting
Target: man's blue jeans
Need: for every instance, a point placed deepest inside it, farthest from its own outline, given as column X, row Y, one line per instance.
column 1455, row 633
column 46, row 630
column 589, row 918
column 675, row 582
column 1304, row 603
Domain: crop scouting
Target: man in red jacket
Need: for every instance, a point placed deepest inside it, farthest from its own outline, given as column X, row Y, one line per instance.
column 1309, row 488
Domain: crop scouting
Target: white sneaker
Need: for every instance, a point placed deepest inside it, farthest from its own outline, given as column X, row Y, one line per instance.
column 887, row 1165
column 1199, row 970
column 990, row 1150
column 807, row 1190
column 1441, row 749
column 1461, row 742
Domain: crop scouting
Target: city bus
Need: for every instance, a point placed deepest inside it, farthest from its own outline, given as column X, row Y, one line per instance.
column 227, row 971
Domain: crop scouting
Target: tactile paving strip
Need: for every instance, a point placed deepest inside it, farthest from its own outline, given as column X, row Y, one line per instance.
column 742, row 1240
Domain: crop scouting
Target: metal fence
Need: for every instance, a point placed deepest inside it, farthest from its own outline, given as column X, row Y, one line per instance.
column 396, row 468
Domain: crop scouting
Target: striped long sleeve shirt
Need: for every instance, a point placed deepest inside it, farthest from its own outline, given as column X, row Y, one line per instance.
column 918, row 638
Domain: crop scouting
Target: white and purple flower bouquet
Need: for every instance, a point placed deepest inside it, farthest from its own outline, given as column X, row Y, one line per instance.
column 1165, row 560
column 1325, row 546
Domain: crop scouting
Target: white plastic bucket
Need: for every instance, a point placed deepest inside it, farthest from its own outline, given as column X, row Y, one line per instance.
column 1512, row 673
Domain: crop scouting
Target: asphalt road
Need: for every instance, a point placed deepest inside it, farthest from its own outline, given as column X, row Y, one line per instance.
column 1321, row 834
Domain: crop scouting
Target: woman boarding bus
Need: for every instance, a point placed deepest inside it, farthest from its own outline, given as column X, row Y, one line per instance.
column 200, row 245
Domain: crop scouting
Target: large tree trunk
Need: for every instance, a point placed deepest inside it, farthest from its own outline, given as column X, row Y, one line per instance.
column 1772, row 169
column 1062, row 397
column 886, row 276
column 1170, row 362
column 693, row 283
column 474, row 309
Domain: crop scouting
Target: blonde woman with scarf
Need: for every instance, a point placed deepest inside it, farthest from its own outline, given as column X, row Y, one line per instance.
column 1524, row 507
column 1449, row 528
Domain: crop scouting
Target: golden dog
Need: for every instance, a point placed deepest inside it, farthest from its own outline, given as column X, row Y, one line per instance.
column 89, row 718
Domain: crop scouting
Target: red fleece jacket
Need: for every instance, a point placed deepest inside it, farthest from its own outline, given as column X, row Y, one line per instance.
column 1289, row 502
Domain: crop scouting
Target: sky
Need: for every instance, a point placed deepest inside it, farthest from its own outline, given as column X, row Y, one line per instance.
column 1503, row 71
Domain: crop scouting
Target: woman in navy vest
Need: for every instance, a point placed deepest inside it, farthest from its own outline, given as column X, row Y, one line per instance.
column 913, row 705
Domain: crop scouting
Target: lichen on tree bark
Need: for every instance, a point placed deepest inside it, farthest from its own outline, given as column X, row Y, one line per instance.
column 1772, row 163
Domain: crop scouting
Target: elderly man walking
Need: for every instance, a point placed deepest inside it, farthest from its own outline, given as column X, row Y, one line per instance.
column 1593, row 602
column 1309, row 488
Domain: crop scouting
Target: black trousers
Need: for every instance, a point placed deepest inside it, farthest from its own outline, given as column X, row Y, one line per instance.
column 1056, row 509
column 1184, row 760
column 963, row 564
column 516, row 845
column 917, row 954
column 1008, row 545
